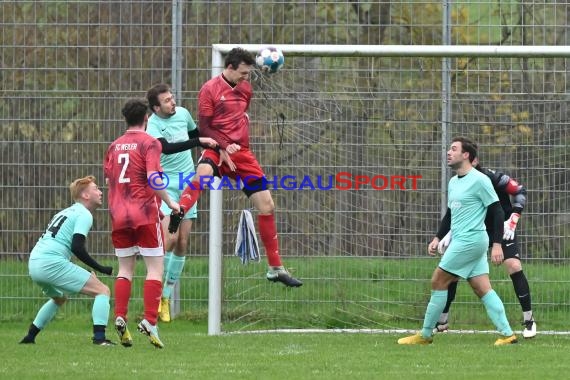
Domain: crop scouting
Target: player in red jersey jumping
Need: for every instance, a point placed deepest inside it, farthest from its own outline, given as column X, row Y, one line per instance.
column 222, row 113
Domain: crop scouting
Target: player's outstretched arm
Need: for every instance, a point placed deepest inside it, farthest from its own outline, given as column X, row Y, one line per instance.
column 79, row 250
column 171, row 148
column 208, row 142
column 192, row 142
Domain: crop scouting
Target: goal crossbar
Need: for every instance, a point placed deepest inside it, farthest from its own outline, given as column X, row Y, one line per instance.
column 408, row 50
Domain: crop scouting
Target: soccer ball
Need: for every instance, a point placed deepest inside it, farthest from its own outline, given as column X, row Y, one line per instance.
column 270, row 59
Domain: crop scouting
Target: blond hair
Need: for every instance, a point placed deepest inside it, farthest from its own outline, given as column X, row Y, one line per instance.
column 78, row 186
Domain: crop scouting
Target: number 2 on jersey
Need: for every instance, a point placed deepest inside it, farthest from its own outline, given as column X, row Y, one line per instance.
column 124, row 159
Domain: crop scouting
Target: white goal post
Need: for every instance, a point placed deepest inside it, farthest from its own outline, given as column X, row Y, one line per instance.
column 444, row 51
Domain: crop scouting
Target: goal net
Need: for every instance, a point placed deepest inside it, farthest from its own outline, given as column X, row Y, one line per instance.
column 372, row 127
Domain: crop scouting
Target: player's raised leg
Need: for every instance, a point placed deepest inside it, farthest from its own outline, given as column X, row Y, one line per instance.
column 263, row 202
column 190, row 195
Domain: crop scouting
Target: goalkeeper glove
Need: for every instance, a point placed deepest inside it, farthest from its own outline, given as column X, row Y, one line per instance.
column 510, row 225
column 444, row 243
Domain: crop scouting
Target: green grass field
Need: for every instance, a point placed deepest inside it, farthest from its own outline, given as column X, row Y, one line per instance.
column 370, row 293
column 343, row 288
column 64, row 351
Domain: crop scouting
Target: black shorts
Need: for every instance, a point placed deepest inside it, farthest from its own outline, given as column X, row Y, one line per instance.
column 511, row 249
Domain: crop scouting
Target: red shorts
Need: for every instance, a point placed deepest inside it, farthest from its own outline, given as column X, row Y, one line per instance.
column 146, row 240
column 247, row 167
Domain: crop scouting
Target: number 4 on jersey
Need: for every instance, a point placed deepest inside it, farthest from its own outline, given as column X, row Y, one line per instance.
column 55, row 225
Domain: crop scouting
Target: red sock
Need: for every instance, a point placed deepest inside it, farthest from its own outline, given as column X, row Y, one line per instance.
column 268, row 233
column 151, row 298
column 122, row 297
column 190, row 196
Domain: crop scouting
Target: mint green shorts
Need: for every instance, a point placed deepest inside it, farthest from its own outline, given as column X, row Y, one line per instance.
column 174, row 193
column 466, row 257
column 57, row 277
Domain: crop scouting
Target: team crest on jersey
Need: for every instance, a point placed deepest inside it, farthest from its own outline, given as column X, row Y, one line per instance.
column 222, row 99
column 455, row 205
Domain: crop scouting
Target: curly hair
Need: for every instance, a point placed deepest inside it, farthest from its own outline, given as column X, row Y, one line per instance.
column 237, row 56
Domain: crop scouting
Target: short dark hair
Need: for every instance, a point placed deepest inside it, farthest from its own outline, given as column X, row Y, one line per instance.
column 134, row 111
column 153, row 93
column 238, row 55
column 467, row 145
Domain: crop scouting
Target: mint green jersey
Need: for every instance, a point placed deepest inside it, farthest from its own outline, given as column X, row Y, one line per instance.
column 468, row 199
column 56, row 239
column 174, row 129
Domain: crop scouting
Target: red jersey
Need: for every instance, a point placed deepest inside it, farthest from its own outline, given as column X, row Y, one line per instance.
column 227, row 106
column 132, row 202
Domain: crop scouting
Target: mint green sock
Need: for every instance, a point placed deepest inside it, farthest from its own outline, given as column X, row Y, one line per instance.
column 100, row 311
column 496, row 311
column 173, row 274
column 434, row 308
column 45, row 314
column 167, row 260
